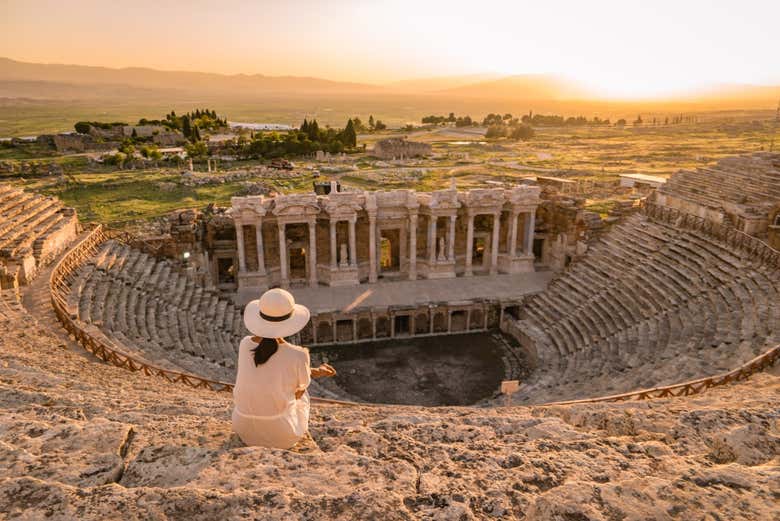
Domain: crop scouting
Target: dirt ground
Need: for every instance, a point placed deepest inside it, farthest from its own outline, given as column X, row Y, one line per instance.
column 445, row 370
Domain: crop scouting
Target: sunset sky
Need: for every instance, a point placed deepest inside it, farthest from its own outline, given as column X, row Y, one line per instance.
column 622, row 48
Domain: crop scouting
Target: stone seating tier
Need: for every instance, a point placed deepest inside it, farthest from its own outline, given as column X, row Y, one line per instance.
column 739, row 180
column 148, row 307
column 649, row 305
column 81, row 439
column 33, row 230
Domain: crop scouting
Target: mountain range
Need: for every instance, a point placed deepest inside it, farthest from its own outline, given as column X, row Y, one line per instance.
column 55, row 81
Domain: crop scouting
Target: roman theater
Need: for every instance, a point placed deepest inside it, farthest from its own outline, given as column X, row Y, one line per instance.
column 612, row 327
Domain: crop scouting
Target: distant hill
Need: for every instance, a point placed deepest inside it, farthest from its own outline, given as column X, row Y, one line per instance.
column 439, row 83
column 60, row 76
column 54, row 81
column 522, row 87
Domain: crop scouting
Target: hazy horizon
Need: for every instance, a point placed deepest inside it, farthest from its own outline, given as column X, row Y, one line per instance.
column 623, row 50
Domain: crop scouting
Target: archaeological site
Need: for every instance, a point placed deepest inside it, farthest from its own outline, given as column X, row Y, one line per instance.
column 645, row 348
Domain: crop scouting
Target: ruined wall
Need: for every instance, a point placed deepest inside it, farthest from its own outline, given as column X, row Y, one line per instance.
column 396, row 148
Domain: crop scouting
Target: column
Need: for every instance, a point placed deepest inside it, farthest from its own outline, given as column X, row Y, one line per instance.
column 530, row 224
column 352, row 243
column 494, row 243
column 333, row 245
column 372, row 248
column 413, row 246
column 240, row 244
column 283, row 256
column 432, row 240
column 513, row 235
column 312, row 256
column 260, row 249
column 469, row 244
column 451, row 239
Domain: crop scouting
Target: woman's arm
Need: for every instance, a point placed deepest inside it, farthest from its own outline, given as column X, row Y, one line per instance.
column 323, row 371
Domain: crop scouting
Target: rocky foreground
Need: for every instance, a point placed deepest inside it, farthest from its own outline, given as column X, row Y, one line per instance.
column 82, row 440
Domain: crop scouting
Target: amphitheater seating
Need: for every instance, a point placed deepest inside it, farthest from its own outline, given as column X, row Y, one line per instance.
column 33, row 230
column 649, row 305
column 81, row 439
column 740, row 180
column 148, row 309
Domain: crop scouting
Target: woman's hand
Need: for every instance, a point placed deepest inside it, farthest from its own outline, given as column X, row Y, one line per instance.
column 323, row 371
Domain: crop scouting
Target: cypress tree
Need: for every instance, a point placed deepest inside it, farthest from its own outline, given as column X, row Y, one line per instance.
column 186, row 128
column 350, row 136
column 314, row 131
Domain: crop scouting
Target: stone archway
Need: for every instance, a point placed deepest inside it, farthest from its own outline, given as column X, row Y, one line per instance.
column 476, row 319
column 324, row 332
column 365, row 329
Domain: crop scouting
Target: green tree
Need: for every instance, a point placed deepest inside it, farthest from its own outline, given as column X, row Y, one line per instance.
column 314, row 130
column 522, row 132
column 196, row 149
column 379, row 125
column 371, row 124
column 350, row 136
column 82, row 127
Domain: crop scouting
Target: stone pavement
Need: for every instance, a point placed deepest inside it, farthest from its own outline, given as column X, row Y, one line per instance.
column 417, row 292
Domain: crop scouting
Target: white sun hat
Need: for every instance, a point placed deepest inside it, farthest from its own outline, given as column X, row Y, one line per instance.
column 275, row 315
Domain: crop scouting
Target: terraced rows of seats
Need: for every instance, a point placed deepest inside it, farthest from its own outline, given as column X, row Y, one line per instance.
column 80, row 439
column 752, row 179
column 149, row 310
column 33, row 229
column 649, row 305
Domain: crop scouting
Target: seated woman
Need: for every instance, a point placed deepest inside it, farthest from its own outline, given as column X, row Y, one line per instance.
column 271, row 405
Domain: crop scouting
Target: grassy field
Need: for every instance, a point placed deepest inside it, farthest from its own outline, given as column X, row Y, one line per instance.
column 116, row 197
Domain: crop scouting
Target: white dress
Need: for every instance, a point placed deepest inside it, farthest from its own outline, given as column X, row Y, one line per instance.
column 265, row 411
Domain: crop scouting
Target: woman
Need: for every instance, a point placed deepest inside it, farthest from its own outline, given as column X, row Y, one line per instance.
column 271, row 405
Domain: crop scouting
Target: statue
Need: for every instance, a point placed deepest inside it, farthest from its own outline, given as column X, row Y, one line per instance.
column 343, row 257
column 442, row 254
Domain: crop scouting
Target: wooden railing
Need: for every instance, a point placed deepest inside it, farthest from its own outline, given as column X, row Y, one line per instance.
column 743, row 372
column 63, row 274
column 62, row 277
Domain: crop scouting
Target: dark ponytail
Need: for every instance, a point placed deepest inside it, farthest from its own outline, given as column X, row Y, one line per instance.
column 264, row 350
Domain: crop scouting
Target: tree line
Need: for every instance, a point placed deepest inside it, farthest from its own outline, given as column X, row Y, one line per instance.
column 309, row 138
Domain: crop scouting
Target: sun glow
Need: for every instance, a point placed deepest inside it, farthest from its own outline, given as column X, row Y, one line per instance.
column 614, row 48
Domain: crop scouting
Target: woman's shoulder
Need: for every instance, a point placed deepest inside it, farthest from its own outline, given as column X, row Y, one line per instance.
column 247, row 341
column 298, row 349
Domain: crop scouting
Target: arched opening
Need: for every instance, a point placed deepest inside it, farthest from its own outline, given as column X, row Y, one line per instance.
column 365, row 329
column 477, row 319
column 324, row 332
column 458, row 321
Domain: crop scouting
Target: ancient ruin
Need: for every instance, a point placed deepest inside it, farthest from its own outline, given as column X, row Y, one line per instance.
column 664, row 303
column 33, row 230
column 346, row 238
column 399, row 148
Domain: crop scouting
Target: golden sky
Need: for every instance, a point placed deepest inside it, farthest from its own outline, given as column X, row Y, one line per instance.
column 622, row 48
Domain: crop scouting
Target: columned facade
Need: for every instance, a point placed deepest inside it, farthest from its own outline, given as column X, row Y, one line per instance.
column 349, row 238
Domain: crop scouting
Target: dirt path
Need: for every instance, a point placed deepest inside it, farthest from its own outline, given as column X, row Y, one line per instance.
column 36, row 300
